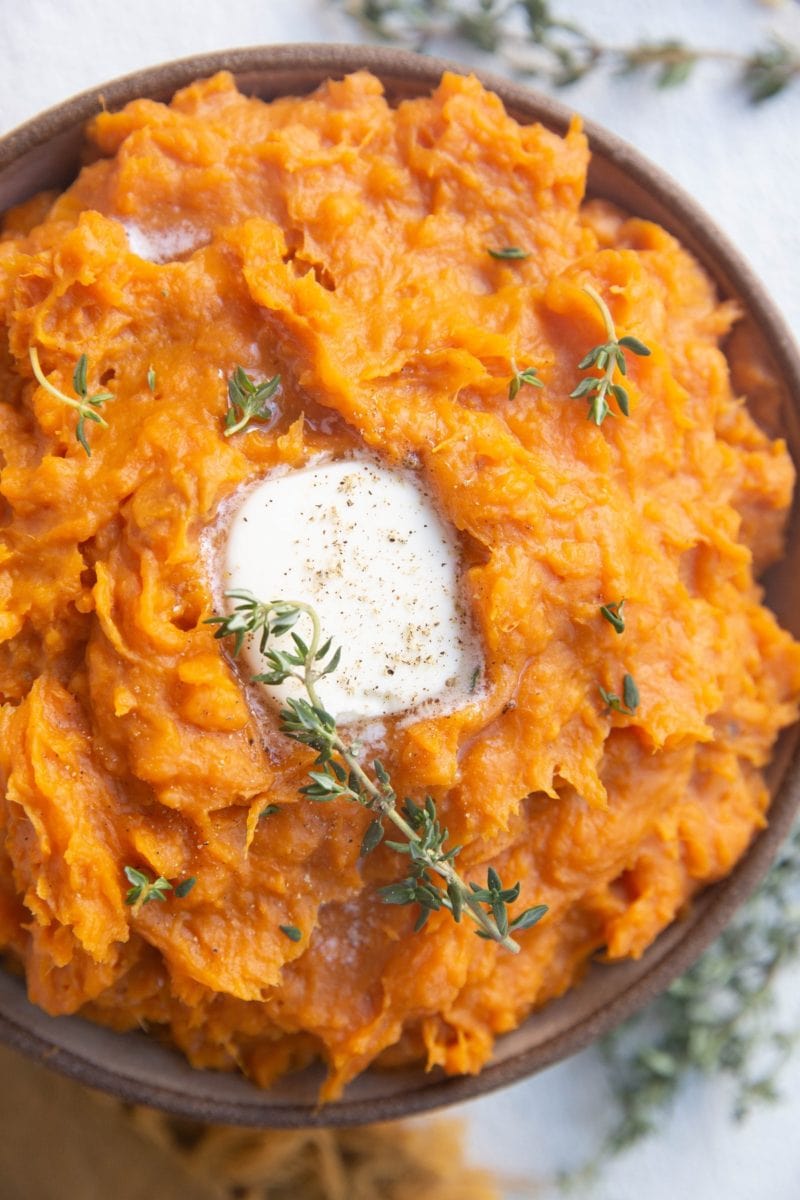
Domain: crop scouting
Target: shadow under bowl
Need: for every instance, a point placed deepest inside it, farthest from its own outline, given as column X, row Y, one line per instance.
column 45, row 153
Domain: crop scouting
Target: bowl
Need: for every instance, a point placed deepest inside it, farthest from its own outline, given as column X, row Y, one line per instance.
column 46, row 153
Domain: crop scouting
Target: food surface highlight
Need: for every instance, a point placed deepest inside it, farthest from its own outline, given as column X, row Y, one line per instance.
column 236, row 307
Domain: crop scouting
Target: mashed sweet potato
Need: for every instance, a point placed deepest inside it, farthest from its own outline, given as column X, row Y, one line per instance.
column 344, row 244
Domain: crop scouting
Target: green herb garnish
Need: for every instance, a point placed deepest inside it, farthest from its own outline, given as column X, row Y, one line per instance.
column 720, row 1019
column 144, row 889
column 613, row 614
column 628, row 703
column 248, row 401
column 291, row 931
column 86, row 406
column 151, row 379
column 339, row 775
column 510, row 253
column 566, row 50
column 607, row 357
column 529, row 375
column 269, row 811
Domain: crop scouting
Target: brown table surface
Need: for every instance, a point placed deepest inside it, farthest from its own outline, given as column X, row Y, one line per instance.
column 59, row 1140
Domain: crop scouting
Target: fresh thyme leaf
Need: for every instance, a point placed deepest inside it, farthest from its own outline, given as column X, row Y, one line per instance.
column 143, row 889
column 292, row 932
column 613, row 614
column 473, row 680
column 248, row 401
column 528, row 918
column 182, row 889
column 528, row 375
column 432, row 881
column 534, row 41
column 151, row 379
column 510, row 252
column 607, row 357
column 79, row 376
column 630, row 693
column 628, row 702
column 86, row 405
column 372, row 838
column 269, row 810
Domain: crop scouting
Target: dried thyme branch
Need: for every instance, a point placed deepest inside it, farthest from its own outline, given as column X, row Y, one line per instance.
column 86, row 406
column 338, row 774
column 717, row 1019
column 562, row 52
column 608, row 357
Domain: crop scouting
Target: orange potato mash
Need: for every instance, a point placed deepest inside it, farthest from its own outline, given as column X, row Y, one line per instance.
column 344, row 244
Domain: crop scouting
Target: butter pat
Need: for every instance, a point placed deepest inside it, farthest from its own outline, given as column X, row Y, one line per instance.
column 365, row 546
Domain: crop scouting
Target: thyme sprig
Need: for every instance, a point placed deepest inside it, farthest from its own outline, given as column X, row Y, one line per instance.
column 527, row 375
column 248, row 401
column 719, row 1018
column 608, row 357
column 432, row 881
column 145, row 890
column 535, row 42
column 86, row 405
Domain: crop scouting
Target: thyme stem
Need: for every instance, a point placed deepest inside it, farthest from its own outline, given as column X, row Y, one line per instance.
column 343, row 775
column 565, row 51
column 86, row 405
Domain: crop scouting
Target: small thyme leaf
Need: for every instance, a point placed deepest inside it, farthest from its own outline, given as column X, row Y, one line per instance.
column 528, row 918
column 86, row 406
column 292, row 932
column 372, row 838
column 182, row 889
column 432, row 881
column 79, row 376
column 613, row 614
column 248, row 401
column 143, row 889
column 510, row 253
column 607, row 357
column 529, row 375
column 151, row 379
column 628, row 702
column 630, row 693
column 269, row 810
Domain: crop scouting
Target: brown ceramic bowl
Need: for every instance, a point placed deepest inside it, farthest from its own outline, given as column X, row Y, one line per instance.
column 45, row 153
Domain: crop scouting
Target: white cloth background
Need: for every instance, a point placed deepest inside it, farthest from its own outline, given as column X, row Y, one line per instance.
column 743, row 164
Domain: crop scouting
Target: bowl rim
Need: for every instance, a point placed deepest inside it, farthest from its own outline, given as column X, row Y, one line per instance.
column 732, row 275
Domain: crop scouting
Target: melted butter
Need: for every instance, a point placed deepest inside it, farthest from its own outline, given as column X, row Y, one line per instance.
column 366, row 547
column 163, row 245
